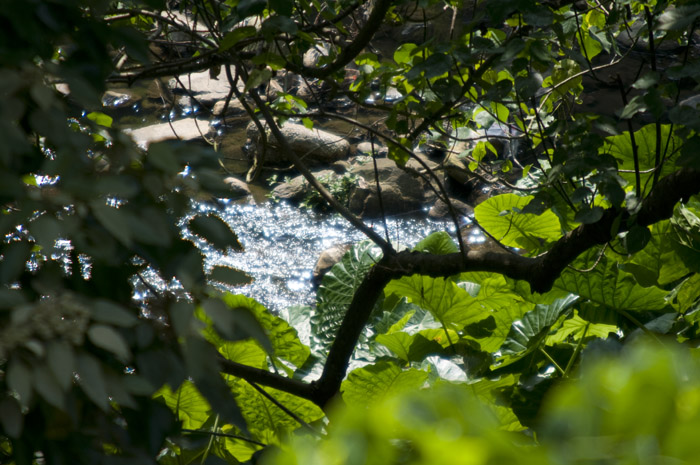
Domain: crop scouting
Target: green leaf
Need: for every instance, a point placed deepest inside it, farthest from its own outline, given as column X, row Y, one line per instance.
column 374, row 383
column 283, row 7
column 114, row 220
column 15, row 256
column 47, row 386
column 577, row 328
column 235, row 322
column 201, row 363
column 11, row 417
column 267, row 421
column 447, row 302
column 216, row 231
column 438, row 243
column 527, row 333
column 607, row 285
column 107, row 338
column 61, row 362
column 410, row 348
column 679, row 18
column 19, row 380
column 501, row 216
column 92, row 381
column 403, row 54
column 100, row 118
column 588, row 215
column 660, row 255
column 235, row 36
column 162, row 155
column 230, row 276
column 258, row 77
column 338, row 287
column 283, row 339
column 637, row 238
column 187, row 403
column 244, row 352
column 105, row 311
column 620, row 147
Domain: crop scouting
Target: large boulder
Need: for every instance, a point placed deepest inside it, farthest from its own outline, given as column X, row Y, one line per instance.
column 402, row 193
column 313, row 146
column 187, row 129
column 296, row 188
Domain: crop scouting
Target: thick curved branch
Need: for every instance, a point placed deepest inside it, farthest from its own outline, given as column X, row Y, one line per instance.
column 540, row 272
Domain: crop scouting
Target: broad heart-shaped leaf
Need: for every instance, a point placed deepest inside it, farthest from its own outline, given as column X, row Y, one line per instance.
column 410, row 348
column 200, row 361
column 448, row 303
column 577, row 328
column 268, row 422
column 526, row 334
column 501, row 217
column 244, row 352
column 373, row 383
column 660, row 256
column 503, row 316
column 437, row 243
column 215, row 231
column 283, row 338
column 187, row 403
column 338, row 288
column 620, row 147
column 608, row 285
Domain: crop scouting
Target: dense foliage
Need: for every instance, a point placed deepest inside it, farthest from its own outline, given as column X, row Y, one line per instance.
column 574, row 342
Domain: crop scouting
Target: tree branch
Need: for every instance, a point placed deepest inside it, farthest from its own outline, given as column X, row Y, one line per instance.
column 540, row 272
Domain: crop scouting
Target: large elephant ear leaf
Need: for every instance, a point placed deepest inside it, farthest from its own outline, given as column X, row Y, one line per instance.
column 438, row 243
column 606, row 284
column 338, row 288
column 502, row 216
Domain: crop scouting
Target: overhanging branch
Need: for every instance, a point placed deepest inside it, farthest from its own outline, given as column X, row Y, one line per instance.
column 540, row 272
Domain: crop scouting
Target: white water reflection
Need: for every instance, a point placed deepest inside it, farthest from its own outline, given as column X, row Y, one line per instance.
column 282, row 244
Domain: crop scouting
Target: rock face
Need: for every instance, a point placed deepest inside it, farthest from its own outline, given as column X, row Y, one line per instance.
column 401, row 192
column 439, row 210
column 311, row 145
column 327, row 259
column 296, row 188
column 238, row 186
column 185, row 129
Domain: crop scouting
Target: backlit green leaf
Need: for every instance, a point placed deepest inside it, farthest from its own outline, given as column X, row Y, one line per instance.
column 501, row 216
column 373, row 383
column 606, row 284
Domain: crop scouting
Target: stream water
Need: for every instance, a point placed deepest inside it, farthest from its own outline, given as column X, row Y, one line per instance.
column 283, row 242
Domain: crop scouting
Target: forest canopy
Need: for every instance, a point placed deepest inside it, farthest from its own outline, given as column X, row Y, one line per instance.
column 570, row 338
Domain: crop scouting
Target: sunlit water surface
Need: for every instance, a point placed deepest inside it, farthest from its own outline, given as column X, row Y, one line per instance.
column 282, row 244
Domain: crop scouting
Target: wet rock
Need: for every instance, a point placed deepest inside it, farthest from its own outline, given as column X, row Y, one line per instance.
column 440, row 211
column 206, row 87
column 402, row 193
column 327, row 259
column 457, row 168
column 311, row 145
column 234, row 108
column 297, row 187
column 187, row 129
column 118, row 99
column 365, row 148
column 238, row 186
